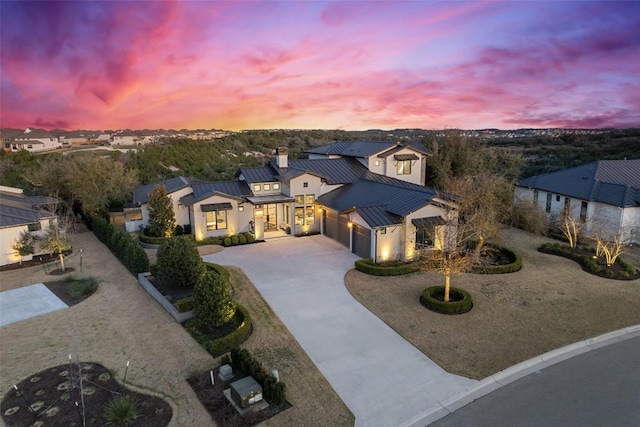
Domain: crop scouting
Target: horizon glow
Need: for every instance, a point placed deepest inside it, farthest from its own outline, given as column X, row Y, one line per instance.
column 319, row 64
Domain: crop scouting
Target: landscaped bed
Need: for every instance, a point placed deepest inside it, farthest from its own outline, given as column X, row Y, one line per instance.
column 58, row 397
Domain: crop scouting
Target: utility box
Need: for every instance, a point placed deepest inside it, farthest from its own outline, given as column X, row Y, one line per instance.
column 225, row 372
column 246, row 392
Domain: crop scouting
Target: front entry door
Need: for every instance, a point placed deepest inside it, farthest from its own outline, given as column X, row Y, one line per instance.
column 271, row 219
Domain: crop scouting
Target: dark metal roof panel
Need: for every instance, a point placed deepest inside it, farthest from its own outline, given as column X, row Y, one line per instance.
column 612, row 182
column 330, row 149
column 13, row 214
column 204, row 189
column 335, row 171
column 405, row 157
column 428, row 221
column 376, row 216
column 210, row 207
column 141, row 194
column 259, row 174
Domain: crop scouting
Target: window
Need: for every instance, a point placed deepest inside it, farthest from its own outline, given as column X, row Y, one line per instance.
column 256, row 187
column 404, row 167
column 310, row 217
column 310, row 199
column 583, row 211
column 547, row 208
column 557, row 198
column 305, row 184
column 425, row 237
column 299, row 199
column 36, row 226
column 276, row 185
column 299, row 216
column 267, row 187
column 217, row 220
column 535, row 196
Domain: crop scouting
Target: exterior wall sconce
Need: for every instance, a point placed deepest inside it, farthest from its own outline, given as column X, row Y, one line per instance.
column 350, row 224
column 319, row 209
column 259, row 213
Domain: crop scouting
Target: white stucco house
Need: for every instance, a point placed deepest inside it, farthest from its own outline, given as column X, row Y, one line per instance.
column 604, row 195
column 32, row 140
column 19, row 213
column 369, row 196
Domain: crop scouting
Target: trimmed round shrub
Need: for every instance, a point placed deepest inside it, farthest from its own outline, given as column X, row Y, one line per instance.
column 459, row 300
column 242, row 239
column 179, row 263
column 226, row 241
column 234, row 240
column 367, row 266
column 250, row 238
column 212, row 303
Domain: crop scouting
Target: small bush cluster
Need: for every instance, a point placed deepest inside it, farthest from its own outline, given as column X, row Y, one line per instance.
column 274, row 391
column 81, row 288
column 367, row 266
column 184, row 304
column 151, row 240
column 236, row 239
column 460, row 301
column 182, row 230
column 513, row 258
column 587, row 260
column 122, row 410
column 122, row 245
column 219, row 346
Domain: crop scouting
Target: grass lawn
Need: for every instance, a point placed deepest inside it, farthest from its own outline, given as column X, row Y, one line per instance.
column 550, row 303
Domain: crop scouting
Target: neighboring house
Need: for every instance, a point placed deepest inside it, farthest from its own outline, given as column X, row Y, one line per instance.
column 604, row 195
column 354, row 193
column 20, row 213
column 33, row 140
column 125, row 138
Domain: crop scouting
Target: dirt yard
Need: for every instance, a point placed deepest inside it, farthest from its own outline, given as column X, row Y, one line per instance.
column 121, row 323
column 550, row 303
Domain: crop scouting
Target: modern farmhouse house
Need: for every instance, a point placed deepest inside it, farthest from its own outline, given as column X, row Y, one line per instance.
column 369, row 196
column 604, row 195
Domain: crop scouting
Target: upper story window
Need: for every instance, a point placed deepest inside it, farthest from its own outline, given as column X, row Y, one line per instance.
column 36, row 226
column 547, row 207
column 257, row 187
column 310, row 199
column 305, row 184
column 404, row 167
column 299, row 199
column 267, row 187
column 276, row 185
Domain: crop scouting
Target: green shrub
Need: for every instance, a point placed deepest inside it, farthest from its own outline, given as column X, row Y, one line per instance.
column 220, row 270
column 288, row 230
column 122, row 410
column 367, row 266
column 274, row 391
column 217, row 347
column 250, row 238
column 81, row 288
column 187, row 228
column 212, row 303
column 460, row 301
column 179, row 263
column 179, row 231
column 151, row 240
column 242, row 239
column 513, row 258
column 122, row 245
column 234, row 240
column 185, row 304
column 226, row 241
column 153, row 269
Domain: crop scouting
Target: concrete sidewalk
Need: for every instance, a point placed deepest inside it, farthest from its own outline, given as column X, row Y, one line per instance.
column 383, row 379
column 29, row 301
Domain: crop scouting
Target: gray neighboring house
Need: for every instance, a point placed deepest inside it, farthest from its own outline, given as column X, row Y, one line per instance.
column 20, row 213
column 605, row 195
column 367, row 195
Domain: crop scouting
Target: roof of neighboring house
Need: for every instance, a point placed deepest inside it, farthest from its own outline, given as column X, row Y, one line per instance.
column 16, row 211
column 393, row 197
column 141, row 194
column 365, row 148
column 205, row 189
column 614, row 182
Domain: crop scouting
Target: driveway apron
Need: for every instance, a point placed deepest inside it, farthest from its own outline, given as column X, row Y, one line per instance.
column 382, row 378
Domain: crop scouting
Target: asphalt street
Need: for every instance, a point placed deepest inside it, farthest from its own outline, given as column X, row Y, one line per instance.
column 594, row 389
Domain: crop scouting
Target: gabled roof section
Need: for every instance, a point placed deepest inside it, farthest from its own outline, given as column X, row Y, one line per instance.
column 141, row 194
column 364, row 149
column 205, row 189
column 396, row 198
column 259, row 174
column 15, row 212
column 614, row 182
column 334, row 171
column 377, row 216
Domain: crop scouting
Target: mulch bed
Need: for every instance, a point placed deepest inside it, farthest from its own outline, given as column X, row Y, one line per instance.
column 46, row 260
column 61, row 290
column 615, row 271
column 222, row 411
column 52, row 395
column 173, row 293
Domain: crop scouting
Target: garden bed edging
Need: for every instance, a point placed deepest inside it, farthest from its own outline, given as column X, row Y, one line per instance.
column 155, row 294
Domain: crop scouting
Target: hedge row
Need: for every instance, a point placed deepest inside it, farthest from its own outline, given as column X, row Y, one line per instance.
column 219, row 346
column 367, row 266
column 236, row 239
column 515, row 262
column 274, row 391
column 459, row 300
column 122, row 245
column 587, row 261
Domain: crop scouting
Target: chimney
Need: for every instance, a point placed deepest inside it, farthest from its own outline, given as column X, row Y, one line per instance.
column 282, row 157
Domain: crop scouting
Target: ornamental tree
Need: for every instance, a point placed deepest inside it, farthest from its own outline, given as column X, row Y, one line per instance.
column 179, row 263
column 162, row 219
column 212, row 303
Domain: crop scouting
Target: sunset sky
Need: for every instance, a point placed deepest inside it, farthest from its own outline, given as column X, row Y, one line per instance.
column 320, row 64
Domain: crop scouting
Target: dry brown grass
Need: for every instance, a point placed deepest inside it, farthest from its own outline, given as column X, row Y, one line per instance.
column 121, row 323
column 550, row 303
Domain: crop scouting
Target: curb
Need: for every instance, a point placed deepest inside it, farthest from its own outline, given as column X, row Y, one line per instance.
column 514, row 373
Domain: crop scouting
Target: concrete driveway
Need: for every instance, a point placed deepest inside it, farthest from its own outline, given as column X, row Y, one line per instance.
column 383, row 379
column 26, row 302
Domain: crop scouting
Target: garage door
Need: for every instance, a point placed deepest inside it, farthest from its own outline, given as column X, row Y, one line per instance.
column 337, row 227
column 343, row 230
column 361, row 241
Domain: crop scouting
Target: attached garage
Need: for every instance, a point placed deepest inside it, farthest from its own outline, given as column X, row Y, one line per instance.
column 361, row 241
column 337, row 227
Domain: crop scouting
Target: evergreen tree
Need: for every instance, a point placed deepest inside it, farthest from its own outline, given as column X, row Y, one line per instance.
column 162, row 219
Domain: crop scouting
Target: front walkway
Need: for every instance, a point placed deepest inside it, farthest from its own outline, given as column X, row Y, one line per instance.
column 383, row 379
